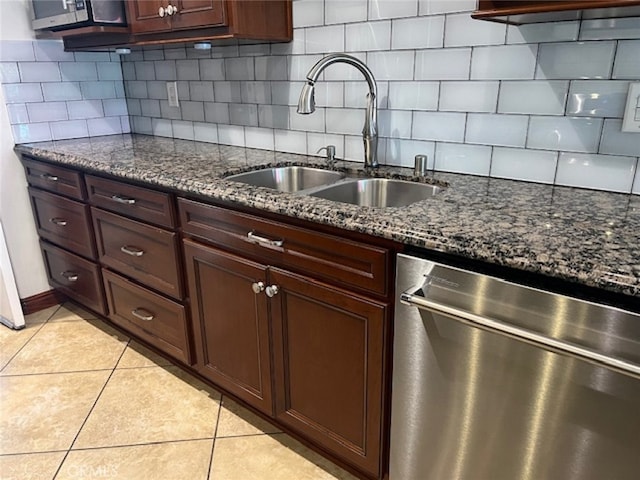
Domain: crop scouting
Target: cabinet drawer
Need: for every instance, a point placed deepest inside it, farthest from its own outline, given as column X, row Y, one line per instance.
column 54, row 179
column 63, row 222
column 327, row 257
column 153, row 318
column 74, row 276
column 144, row 252
column 136, row 202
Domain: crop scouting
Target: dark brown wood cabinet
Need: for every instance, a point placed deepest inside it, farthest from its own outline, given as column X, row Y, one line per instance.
column 521, row 12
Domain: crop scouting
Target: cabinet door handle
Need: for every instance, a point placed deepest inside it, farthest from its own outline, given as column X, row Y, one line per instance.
column 161, row 11
column 61, row 222
column 264, row 241
column 124, row 200
column 142, row 314
column 49, row 177
column 172, row 10
column 257, row 287
column 69, row 275
column 271, row 291
column 133, row 251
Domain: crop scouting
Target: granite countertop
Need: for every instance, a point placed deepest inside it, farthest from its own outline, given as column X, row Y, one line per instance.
column 587, row 237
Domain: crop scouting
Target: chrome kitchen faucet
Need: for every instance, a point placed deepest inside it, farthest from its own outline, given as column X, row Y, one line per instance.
column 307, row 103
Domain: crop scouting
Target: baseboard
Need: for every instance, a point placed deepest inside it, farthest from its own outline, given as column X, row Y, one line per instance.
column 40, row 301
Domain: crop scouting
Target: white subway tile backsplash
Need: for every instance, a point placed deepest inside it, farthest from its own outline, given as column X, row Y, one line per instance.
column 114, row 107
column 47, row 112
column 391, row 65
column 564, row 133
column 299, row 66
column 402, row 152
column 468, row 96
column 575, row 60
column 182, row 129
column 506, row 62
column 83, row 109
column 394, row 124
column 109, row 71
column 290, row 141
column 470, row 159
column 166, row 70
column 205, row 132
column 162, row 127
column 434, row 7
column 418, row 32
column 610, row 29
column 69, row 129
column 133, row 107
column 231, row 135
column 145, row 71
column 18, row 113
column 157, row 90
column 22, row 92
column 380, row 9
column 142, row 125
column 98, row 90
column 188, row 69
column 239, row 68
column 316, row 141
column 443, row 64
column 325, row 39
column 600, row 172
column 192, row 111
column 201, row 91
column 273, row 116
column 438, row 126
column 39, row 72
column 169, row 112
column 212, row 69
column 307, row 13
column 345, row 121
column 255, row 50
column 616, row 142
column 157, row 54
column 241, row 114
column 361, row 37
column 31, row 132
column 287, row 93
column 636, row 183
column 626, row 64
column 533, row 97
column 354, row 149
column 414, row 95
column 16, row 51
column 92, row 56
column 271, row 68
column 332, row 94
column 294, row 47
column 104, row 126
column 520, row 164
column 9, row 72
column 136, row 89
column 128, row 71
column 255, row 92
column 216, row 112
column 78, row 71
column 262, row 138
column 55, row 91
column 344, row 11
column 172, row 53
column 493, row 129
column 543, row 32
column 597, row 98
column 51, row 51
column 313, row 122
column 227, row 91
column 463, row 31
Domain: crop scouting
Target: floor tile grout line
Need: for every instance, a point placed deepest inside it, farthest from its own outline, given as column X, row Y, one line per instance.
column 21, row 348
column 91, row 410
column 158, row 442
column 53, row 373
column 31, row 453
column 215, row 435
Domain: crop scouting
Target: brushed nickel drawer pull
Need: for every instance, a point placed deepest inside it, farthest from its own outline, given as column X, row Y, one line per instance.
column 133, row 251
column 124, row 200
column 49, row 177
column 70, row 276
column 266, row 242
column 61, row 222
column 142, row 314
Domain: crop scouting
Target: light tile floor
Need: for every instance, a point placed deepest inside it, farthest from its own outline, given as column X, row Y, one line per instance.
column 79, row 400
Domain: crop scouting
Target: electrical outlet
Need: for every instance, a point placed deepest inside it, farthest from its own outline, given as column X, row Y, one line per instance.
column 172, row 93
column 631, row 120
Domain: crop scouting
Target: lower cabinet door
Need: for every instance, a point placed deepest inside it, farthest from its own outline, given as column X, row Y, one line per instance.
column 145, row 314
column 230, row 321
column 74, row 276
column 329, row 365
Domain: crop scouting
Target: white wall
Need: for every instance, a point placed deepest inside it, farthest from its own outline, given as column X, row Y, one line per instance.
column 15, row 211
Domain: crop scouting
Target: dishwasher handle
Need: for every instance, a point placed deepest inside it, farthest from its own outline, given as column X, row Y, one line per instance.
column 522, row 334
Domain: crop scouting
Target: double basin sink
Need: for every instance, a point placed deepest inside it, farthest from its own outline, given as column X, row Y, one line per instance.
column 335, row 186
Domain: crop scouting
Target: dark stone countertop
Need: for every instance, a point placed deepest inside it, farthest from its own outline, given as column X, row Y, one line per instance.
column 586, row 237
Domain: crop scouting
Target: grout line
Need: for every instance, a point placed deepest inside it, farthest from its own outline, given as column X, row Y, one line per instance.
column 159, row 442
column 215, row 434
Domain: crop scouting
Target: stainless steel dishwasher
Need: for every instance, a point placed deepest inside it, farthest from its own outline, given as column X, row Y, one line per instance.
column 498, row 381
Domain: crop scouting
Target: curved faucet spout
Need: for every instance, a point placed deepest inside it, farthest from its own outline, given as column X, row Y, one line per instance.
column 306, row 104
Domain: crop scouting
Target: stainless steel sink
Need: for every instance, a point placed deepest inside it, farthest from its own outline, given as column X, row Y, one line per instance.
column 378, row 192
column 288, row 179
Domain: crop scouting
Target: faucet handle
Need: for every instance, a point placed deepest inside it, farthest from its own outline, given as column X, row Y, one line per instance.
column 331, row 153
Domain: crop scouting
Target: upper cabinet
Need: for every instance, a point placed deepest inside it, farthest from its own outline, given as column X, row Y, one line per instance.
column 178, row 21
column 530, row 11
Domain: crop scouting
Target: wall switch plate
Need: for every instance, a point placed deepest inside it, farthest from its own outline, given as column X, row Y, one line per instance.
column 172, row 93
column 631, row 120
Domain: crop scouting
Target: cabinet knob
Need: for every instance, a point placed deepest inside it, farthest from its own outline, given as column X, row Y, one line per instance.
column 257, row 287
column 172, row 9
column 271, row 291
column 161, row 11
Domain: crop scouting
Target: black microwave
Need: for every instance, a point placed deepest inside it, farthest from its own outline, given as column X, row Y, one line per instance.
column 65, row 14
